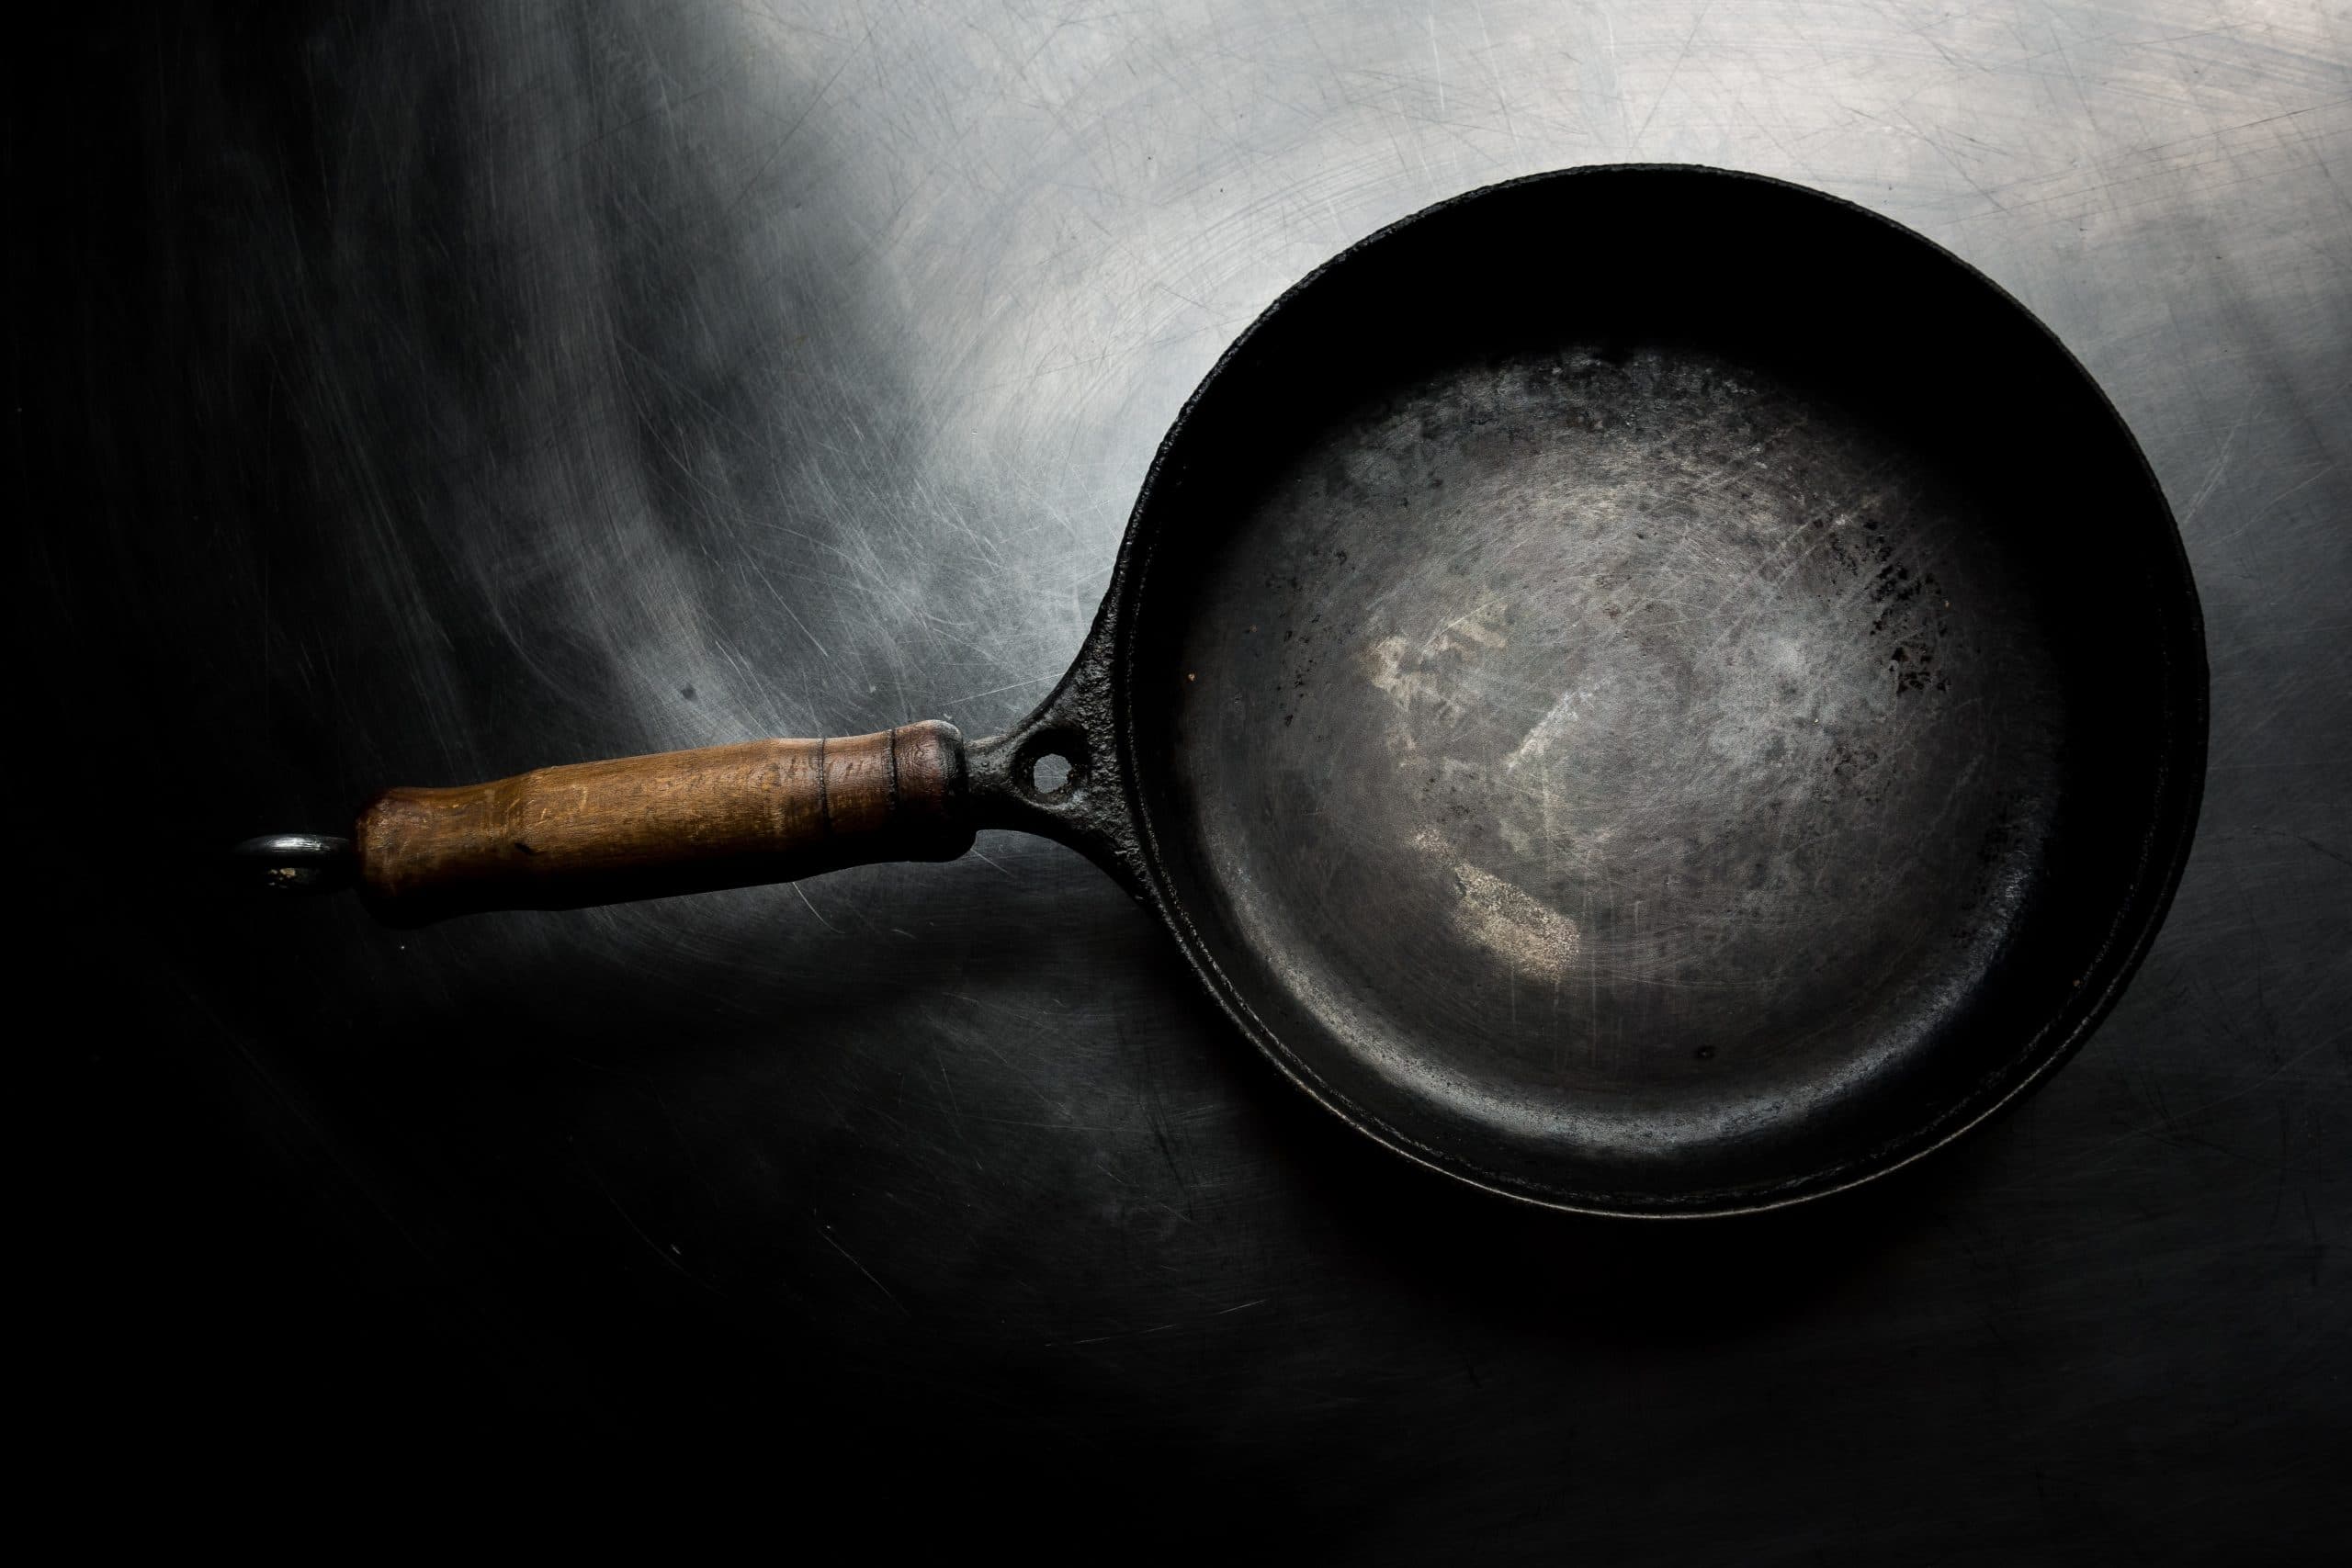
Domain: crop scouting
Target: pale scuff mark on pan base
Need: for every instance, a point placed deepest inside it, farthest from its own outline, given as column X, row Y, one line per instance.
column 1539, row 940
column 1386, row 666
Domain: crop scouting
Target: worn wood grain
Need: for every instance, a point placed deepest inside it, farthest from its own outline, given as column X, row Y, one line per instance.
column 631, row 827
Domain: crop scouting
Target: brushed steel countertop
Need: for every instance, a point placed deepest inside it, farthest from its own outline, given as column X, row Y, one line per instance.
column 417, row 397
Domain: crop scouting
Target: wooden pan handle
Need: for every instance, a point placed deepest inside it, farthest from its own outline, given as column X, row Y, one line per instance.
column 678, row 822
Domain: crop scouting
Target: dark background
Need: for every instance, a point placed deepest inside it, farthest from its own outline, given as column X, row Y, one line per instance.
column 417, row 394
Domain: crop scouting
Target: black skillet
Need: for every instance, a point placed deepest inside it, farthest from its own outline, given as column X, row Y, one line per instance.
column 1649, row 690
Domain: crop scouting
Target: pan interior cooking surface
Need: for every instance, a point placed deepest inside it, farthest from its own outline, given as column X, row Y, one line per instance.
column 1629, row 742
column 1670, row 753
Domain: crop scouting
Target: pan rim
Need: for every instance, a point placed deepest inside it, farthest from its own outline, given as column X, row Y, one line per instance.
column 2141, row 903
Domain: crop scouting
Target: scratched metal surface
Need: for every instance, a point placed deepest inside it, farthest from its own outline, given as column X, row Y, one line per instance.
column 419, row 397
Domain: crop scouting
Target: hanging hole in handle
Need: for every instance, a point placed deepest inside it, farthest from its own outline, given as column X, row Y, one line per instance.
column 1052, row 766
